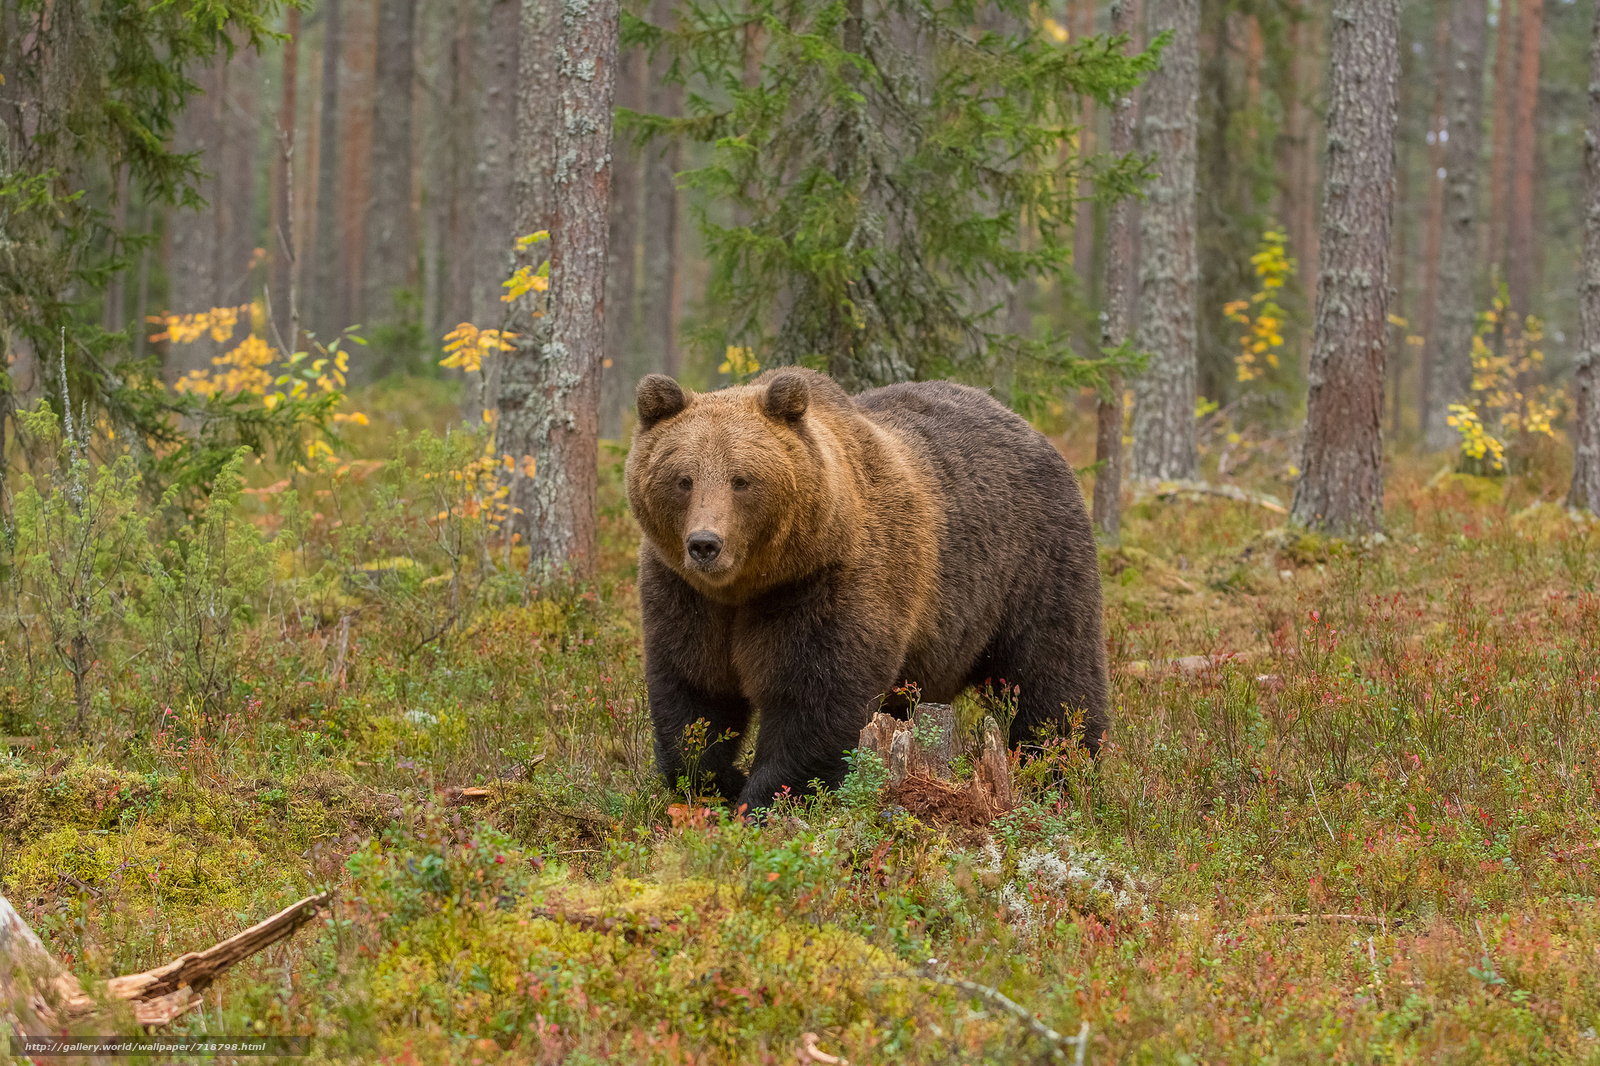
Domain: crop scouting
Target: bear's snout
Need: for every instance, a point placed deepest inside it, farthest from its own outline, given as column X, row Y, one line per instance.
column 704, row 547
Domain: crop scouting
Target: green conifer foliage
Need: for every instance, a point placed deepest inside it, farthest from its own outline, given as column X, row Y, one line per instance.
column 889, row 166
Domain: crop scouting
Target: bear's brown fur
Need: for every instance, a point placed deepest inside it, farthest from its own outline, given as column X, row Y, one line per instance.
column 805, row 553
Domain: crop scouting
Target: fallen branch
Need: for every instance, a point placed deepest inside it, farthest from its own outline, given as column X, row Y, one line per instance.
column 161, row 990
column 157, row 996
column 809, row 1053
column 1162, row 490
column 1304, row 919
column 994, row 996
column 633, row 929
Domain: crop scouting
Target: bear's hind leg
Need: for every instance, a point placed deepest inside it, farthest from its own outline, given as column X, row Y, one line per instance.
column 1059, row 674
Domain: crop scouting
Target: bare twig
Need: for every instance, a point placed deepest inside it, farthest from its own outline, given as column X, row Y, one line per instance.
column 1058, row 1043
column 1318, row 803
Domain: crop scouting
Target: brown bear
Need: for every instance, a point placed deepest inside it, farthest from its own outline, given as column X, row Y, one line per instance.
column 807, row 552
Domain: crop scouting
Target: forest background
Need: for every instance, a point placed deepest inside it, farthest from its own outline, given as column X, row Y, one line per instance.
column 379, row 155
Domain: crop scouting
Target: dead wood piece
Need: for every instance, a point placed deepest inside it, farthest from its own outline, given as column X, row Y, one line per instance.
column 994, row 768
column 157, row 996
column 919, row 776
column 32, row 981
column 1189, row 489
column 456, row 796
column 197, row 969
column 1306, row 919
column 1572, row 853
column 633, row 929
column 809, row 1053
column 933, row 800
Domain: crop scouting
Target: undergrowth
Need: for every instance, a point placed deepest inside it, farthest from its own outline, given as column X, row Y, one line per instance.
column 1402, row 732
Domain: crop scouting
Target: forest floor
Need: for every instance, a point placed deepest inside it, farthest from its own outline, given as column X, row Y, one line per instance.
column 1366, row 829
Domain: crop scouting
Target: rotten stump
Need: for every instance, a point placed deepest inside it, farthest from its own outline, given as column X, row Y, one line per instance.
column 919, row 755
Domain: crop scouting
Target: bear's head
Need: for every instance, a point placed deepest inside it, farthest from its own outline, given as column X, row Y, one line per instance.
column 733, row 489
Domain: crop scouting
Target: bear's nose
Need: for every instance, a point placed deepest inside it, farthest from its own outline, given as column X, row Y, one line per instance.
column 704, row 546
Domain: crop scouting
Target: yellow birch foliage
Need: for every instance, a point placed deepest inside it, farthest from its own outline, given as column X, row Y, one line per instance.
column 1262, row 341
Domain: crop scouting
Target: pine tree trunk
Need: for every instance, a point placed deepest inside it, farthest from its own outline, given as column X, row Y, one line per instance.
column 1082, row 25
column 359, row 33
column 1458, row 246
column 1430, row 242
column 1341, row 489
column 550, row 392
column 191, row 244
column 1519, row 224
column 281, row 248
column 657, row 323
column 461, row 140
column 391, row 235
column 236, row 175
column 324, row 272
column 1116, row 321
column 1163, row 421
column 1505, row 75
column 627, row 181
column 494, row 228
column 1297, row 155
column 1398, row 256
column 1585, row 493
column 538, row 124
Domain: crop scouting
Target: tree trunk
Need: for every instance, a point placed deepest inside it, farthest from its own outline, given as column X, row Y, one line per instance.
column 236, row 175
column 1585, row 494
column 1116, row 321
column 114, row 315
column 1505, row 74
column 1519, row 224
column 325, row 272
column 1297, row 153
column 1430, row 243
column 192, row 233
column 359, row 33
column 1398, row 255
column 1081, row 21
column 461, row 202
column 1163, row 420
column 280, row 246
column 657, row 322
column 494, row 227
column 1341, row 489
column 1458, row 245
column 538, row 124
column 550, row 394
column 627, row 183
column 391, row 236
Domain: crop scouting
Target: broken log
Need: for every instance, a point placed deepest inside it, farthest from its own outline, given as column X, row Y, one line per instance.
column 157, row 996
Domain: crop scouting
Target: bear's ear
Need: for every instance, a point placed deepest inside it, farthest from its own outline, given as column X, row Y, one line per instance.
column 659, row 398
column 787, row 396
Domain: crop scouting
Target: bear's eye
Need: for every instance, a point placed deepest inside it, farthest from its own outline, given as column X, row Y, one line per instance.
column 685, row 483
column 740, row 484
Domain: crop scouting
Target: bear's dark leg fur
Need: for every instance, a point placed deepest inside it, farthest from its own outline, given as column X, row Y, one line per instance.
column 674, row 707
column 1060, row 671
column 824, row 666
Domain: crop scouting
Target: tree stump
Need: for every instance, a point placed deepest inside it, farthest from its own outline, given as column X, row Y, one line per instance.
column 918, row 756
